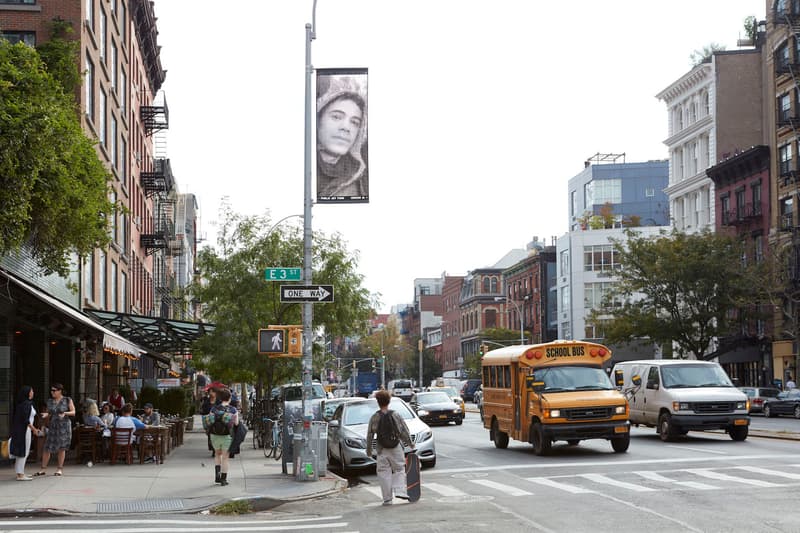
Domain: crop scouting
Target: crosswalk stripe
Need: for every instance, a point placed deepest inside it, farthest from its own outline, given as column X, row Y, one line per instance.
column 374, row 490
column 599, row 478
column 725, row 477
column 444, row 490
column 663, row 479
column 506, row 489
column 767, row 471
column 558, row 485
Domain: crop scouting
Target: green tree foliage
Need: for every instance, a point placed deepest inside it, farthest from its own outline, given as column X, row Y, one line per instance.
column 704, row 54
column 239, row 301
column 681, row 288
column 495, row 337
column 53, row 187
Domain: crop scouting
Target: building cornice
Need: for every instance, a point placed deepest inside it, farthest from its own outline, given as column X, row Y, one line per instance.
column 699, row 74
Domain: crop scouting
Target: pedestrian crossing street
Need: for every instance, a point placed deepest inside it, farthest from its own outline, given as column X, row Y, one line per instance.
column 631, row 481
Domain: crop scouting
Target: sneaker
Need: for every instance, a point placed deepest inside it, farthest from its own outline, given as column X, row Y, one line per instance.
column 401, row 496
column 25, row 478
column 387, row 502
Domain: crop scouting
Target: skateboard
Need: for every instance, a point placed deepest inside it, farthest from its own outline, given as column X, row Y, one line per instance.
column 413, row 486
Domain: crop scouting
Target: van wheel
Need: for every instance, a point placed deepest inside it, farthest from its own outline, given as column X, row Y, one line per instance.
column 620, row 444
column 541, row 444
column 665, row 429
column 500, row 438
column 738, row 433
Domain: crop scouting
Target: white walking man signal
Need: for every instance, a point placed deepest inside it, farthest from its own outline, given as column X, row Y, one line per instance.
column 277, row 340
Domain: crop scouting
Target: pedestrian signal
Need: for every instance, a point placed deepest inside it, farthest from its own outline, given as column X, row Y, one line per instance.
column 271, row 341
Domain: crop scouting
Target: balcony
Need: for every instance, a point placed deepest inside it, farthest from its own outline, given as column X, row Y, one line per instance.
column 155, row 118
column 786, row 222
column 159, row 180
column 742, row 214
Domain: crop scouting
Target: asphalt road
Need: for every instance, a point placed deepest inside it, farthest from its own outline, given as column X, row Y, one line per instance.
column 704, row 482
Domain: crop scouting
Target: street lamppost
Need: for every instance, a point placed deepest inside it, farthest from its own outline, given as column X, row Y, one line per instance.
column 521, row 331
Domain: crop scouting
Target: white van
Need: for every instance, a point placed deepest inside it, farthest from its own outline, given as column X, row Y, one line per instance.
column 679, row 395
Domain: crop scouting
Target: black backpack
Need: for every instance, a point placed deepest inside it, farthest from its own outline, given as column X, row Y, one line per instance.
column 387, row 431
column 219, row 427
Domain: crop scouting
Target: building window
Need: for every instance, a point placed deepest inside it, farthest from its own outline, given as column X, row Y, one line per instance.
column 725, row 206
column 784, row 108
column 741, row 200
column 785, row 159
column 123, row 162
column 758, row 248
column 103, row 34
column 649, row 192
column 113, row 64
column 113, row 144
column 88, row 277
column 89, row 88
column 600, row 258
column 102, row 131
column 90, row 13
column 563, row 263
column 573, row 206
column 490, row 318
column 114, row 288
column 494, row 285
column 123, row 93
column 486, row 285
column 25, row 37
column 102, row 278
column 600, row 192
column 121, row 17
column 755, row 191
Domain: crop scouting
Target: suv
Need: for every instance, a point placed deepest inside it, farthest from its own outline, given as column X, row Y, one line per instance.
column 468, row 389
column 403, row 389
column 291, row 396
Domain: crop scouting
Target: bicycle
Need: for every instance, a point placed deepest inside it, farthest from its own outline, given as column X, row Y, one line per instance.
column 273, row 443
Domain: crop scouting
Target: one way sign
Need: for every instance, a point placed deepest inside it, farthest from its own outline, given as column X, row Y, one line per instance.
column 306, row 293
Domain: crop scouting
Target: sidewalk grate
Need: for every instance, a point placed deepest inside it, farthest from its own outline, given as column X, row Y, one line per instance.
column 141, row 506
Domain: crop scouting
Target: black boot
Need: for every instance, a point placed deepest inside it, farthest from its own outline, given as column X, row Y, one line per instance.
column 217, row 477
column 223, row 480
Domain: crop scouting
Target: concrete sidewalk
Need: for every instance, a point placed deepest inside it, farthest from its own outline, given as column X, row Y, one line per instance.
column 184, row 483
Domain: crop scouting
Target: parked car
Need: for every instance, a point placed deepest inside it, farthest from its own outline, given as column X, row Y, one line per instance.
column 758, row 395
column 436, row 407
column 328, row 406
column 786, row 403
column 347, row 433
column 454, row 395
column 468, row 389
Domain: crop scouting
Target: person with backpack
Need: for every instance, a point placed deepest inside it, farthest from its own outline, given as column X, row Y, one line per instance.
column 388, row 430
column 219, row 424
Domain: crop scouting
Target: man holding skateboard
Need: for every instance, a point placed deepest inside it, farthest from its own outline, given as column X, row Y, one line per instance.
column 388, row 430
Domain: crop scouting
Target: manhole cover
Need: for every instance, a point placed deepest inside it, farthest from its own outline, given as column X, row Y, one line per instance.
column 141, row 506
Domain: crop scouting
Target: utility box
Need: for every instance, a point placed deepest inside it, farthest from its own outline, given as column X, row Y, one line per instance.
column 319, row 444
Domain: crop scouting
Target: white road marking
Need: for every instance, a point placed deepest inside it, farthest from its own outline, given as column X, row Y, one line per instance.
column 663, row 479
column 444, row 490
column 506, row 489
column 767, row 471
column 725, row 477
column 605, row 480
column 701, row 450
column 558, row 485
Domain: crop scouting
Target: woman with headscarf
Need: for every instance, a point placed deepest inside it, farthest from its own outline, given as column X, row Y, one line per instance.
column 342, row 171
column 21, row 428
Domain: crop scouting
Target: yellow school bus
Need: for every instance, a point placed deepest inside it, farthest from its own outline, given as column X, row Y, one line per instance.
column 544, row 393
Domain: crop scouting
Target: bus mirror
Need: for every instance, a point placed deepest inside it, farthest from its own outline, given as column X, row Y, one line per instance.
column 538, row 386
column 636, row 380
column 619, row 377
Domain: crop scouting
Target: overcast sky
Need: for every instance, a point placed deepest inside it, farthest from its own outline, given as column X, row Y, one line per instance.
column 480, row 111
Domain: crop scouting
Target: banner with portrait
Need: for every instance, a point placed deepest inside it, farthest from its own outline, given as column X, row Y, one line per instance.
column 342, row 162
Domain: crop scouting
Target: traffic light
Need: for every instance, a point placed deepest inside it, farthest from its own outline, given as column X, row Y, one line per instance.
column 295, row 348
column 482, row 350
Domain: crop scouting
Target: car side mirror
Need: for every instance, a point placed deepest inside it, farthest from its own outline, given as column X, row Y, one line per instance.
column 636, row 380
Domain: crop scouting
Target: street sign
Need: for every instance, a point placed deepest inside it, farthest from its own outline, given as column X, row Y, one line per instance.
column 272, row 341
column 306, row 293
column 283, row 274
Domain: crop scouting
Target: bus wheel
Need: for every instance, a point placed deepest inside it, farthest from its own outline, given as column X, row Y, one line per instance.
column 541, row 444
column 620, row 444
column 500, row 438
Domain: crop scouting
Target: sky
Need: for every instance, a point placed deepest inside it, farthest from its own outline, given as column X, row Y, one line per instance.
column 480, row 111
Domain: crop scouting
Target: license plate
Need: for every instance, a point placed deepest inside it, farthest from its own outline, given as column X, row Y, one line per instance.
column 621, row 429
column 740, row 422
column 442, row 416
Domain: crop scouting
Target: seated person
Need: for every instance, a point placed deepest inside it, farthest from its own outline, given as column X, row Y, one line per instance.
column 125, row 420
column 91, row 417
column 150, row 417
column 107, row 414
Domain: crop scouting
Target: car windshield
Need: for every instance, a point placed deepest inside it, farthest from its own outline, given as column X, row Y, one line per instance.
column 360, row 412
column 402, row 385
column 687, row 376
column 572, row 378
column 433, row 397
column 450, row 391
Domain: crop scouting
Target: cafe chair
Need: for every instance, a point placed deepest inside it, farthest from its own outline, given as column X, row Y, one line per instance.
column 149, row 444
column 87, row 444
column 122, row 443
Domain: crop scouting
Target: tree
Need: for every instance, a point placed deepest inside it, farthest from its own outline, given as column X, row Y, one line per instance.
column 704, row 54
column 53, row 187
column 683, row 288
column 239, row 301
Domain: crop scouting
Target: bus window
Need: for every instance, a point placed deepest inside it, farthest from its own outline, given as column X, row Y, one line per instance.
column 492, row 376
column 507, row 375
column 486, row 374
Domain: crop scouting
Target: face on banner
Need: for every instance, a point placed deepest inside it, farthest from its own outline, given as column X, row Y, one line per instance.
column 342, row 162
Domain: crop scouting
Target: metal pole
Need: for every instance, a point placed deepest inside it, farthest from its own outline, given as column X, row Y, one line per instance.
column 419, row 345
column 306, row 456
column 383, row 364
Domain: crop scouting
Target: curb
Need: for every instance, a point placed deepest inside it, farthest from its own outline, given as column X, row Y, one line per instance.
column 265, row 503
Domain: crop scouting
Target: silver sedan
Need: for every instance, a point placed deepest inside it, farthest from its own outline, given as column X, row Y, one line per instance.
column 347, row 433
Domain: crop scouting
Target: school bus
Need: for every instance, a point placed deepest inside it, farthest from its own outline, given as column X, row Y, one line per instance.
column 554, row 391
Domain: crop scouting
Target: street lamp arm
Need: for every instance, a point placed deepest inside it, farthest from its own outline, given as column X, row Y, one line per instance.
column 275, row 225
column 519, row 314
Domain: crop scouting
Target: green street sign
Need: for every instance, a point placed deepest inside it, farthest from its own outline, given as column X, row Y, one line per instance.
column 283, row 274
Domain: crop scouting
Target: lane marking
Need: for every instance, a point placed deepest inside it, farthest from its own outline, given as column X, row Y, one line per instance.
column 506, row 489
column 558, row 485
column 605, row 480
column 664, row 479
column 725, row 477
column 690, row 448
column 769, row 472
column 444, row 490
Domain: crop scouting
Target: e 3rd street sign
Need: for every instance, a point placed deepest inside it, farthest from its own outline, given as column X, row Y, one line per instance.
column 283, row 274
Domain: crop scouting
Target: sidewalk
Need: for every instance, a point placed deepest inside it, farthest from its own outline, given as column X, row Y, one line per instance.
column 184, row 483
